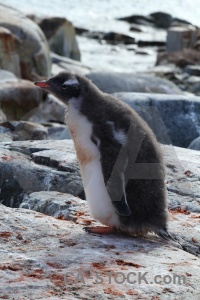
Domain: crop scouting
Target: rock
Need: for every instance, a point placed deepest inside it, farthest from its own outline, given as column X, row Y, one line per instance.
column 110, row 37
column 7, row 76
column 116, row 38
column 174, row 119
column 61, row 37
column 183, row 170
column 180, row 22
column 32, row 50
column 9, row 58
column 67, row 207
column 61, row 64
column 111, row 82
column 51, row 109
column 5, row 134
column 138, row 19
column 22, row 131
column 164, row 70
column 195, row 89
column 19, row 98
column 29, row 131
column 2, row 116
column 161, row 19
column 58, row 132
column 150, row 43
column 31, row 166
column 193, row 79
column 39, row 256
column 158, row 19
column 81, row 30
column 179, row 58
column 53, row 167
column 179, row 38
column 55, row 204
column 135, row 28
column 192, row 70
column 195, row 145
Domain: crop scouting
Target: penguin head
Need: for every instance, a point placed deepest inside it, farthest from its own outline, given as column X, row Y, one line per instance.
column 64, row 86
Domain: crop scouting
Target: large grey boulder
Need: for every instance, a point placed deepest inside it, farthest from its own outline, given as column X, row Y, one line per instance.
column 22, row 131
column 6, row 75
column 195, row 145
column 61, row 37
column 31, row 45
column 173, row 118
column 113, row 82
column 8, row 52
column 51, row 109
column 19, row 97
column 32, row 166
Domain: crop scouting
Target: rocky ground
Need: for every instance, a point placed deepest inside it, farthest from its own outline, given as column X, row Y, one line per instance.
column 45, row 249
column 45, row 253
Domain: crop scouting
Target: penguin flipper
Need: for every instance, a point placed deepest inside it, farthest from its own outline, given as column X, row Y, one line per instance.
column 116, row 191
column 113, row 171
column 122, row 207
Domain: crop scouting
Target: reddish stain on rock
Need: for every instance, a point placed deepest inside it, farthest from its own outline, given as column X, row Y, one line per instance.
column 179, row 210
column 132, row 292
column 87, row 222
column 194, row 240
column 37, row 273
column 113, row 292
column 98, row 265
column 54, row 265
column 5, row 234
column 120, row 262
column 188, row 173
column 11, row 267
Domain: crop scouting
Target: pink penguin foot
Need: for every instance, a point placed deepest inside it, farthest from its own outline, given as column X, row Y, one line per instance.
column 100, row 229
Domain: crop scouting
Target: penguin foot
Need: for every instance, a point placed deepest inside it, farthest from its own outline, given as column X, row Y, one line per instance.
column 100, row 229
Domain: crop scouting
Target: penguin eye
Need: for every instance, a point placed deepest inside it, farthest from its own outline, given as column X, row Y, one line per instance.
column 64, row 86
column 72, row 88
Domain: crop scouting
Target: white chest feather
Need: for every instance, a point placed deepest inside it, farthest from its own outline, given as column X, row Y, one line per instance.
column 88, row 156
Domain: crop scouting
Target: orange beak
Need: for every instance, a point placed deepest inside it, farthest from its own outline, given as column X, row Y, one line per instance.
column 42, row 84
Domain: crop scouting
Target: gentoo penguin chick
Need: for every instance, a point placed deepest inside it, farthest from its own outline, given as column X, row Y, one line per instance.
column 120, row 159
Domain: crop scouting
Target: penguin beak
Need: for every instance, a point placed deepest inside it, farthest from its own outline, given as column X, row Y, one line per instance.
column 42, row 84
